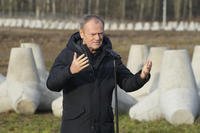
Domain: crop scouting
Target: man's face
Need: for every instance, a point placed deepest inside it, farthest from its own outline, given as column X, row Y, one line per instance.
column 92, row 34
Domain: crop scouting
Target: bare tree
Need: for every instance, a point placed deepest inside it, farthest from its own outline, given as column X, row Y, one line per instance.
column 164, row 13
column 64, row 6
column 177, row 9
column 97, row 7
column 47, row 6
column 141, row 11
column 2, row 6
column 30, row 6
column 123, row 3
column 53, row 7
column 106, row 8
column 114, row 9
column 190, row 10
column 82, row 7
column 185, row 5
column 155, row 9
column 89, row 7
column 10, row 8
column 38, row 8
column 148, row 10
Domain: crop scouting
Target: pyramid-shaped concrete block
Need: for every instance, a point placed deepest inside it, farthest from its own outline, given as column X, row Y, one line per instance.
column 47, row 96
column 137, row 56
column 125, row 101
column 155, row 55
column 22, row 80
column 178, row 100
column 57, row 106
column 196, row 65
column 5, row 101
column 148, row 109
column 38, row 57
column 2, row 78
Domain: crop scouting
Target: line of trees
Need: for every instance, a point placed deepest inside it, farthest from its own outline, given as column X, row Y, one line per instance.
column 137, row 10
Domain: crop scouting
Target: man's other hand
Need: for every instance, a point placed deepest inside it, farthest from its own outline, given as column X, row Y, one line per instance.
column 146, row 69
column 79, row 63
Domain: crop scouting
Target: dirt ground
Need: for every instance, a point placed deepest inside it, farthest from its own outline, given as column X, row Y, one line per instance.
column 53, row 41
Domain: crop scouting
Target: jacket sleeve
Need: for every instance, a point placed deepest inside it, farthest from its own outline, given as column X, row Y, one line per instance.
column 60, row 72
column 128, row 81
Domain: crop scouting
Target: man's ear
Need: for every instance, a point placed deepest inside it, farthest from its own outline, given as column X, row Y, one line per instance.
column 81, row 33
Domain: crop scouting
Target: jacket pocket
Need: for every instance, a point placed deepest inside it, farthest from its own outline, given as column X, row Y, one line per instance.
column 72, row 113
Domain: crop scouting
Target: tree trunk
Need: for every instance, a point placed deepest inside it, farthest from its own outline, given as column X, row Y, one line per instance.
column 141, row 12
column 177, row 9
column 2, row 6
column 89, row 6
column 190, row 10
column 148, row 10
column 155, row 10
column 10, row 8
column 164, row 13
column 65, row 8
column 47, row 6
column 106, row 8
column 185, row 8
column 54, row 7
column 123, row 9
column 37, row 9
column 97, row 7
column 30, row 6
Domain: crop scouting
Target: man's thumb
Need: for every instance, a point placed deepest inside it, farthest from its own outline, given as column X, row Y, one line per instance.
column 75, row 56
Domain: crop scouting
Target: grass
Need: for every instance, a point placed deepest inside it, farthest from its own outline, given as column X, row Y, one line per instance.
column 52, row 41
column 38, row 123
column 47, row 123
column 158, row 126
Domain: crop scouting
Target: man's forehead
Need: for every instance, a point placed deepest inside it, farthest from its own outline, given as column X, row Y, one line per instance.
column 93, row 21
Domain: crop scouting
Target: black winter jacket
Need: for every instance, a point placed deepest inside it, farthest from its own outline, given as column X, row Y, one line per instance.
column 87, row 95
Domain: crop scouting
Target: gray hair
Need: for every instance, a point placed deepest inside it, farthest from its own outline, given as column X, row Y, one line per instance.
column 87, row 18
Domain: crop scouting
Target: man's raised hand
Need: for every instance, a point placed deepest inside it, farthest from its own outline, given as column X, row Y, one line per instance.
column 79, row 63
column 146, row 69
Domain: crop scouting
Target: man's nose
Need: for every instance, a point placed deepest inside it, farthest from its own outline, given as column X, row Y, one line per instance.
column 97, row 37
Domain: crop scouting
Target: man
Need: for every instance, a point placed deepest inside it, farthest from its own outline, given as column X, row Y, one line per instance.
column 84, row 70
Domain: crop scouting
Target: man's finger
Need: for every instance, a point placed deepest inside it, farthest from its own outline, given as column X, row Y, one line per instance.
column 83, row 59
column 80, row 57
column 149, row 64
column 86, row 65
column 84, row 62
column 75, row 56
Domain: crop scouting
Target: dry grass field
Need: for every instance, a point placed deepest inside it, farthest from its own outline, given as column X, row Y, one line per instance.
column 52, row 41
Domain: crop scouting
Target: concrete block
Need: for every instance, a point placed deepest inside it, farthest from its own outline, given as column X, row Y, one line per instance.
column 23, row 80
column 179, row 99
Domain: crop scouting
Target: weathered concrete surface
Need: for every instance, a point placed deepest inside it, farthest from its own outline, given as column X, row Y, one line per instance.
column 57, row 106
column 179, row 100
column 22, row 80
column 196, row 65
column 155, row 55
column 125, row 101
column 5, row 102
column 47, row 96
column 148, row 109
column 137, row 56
